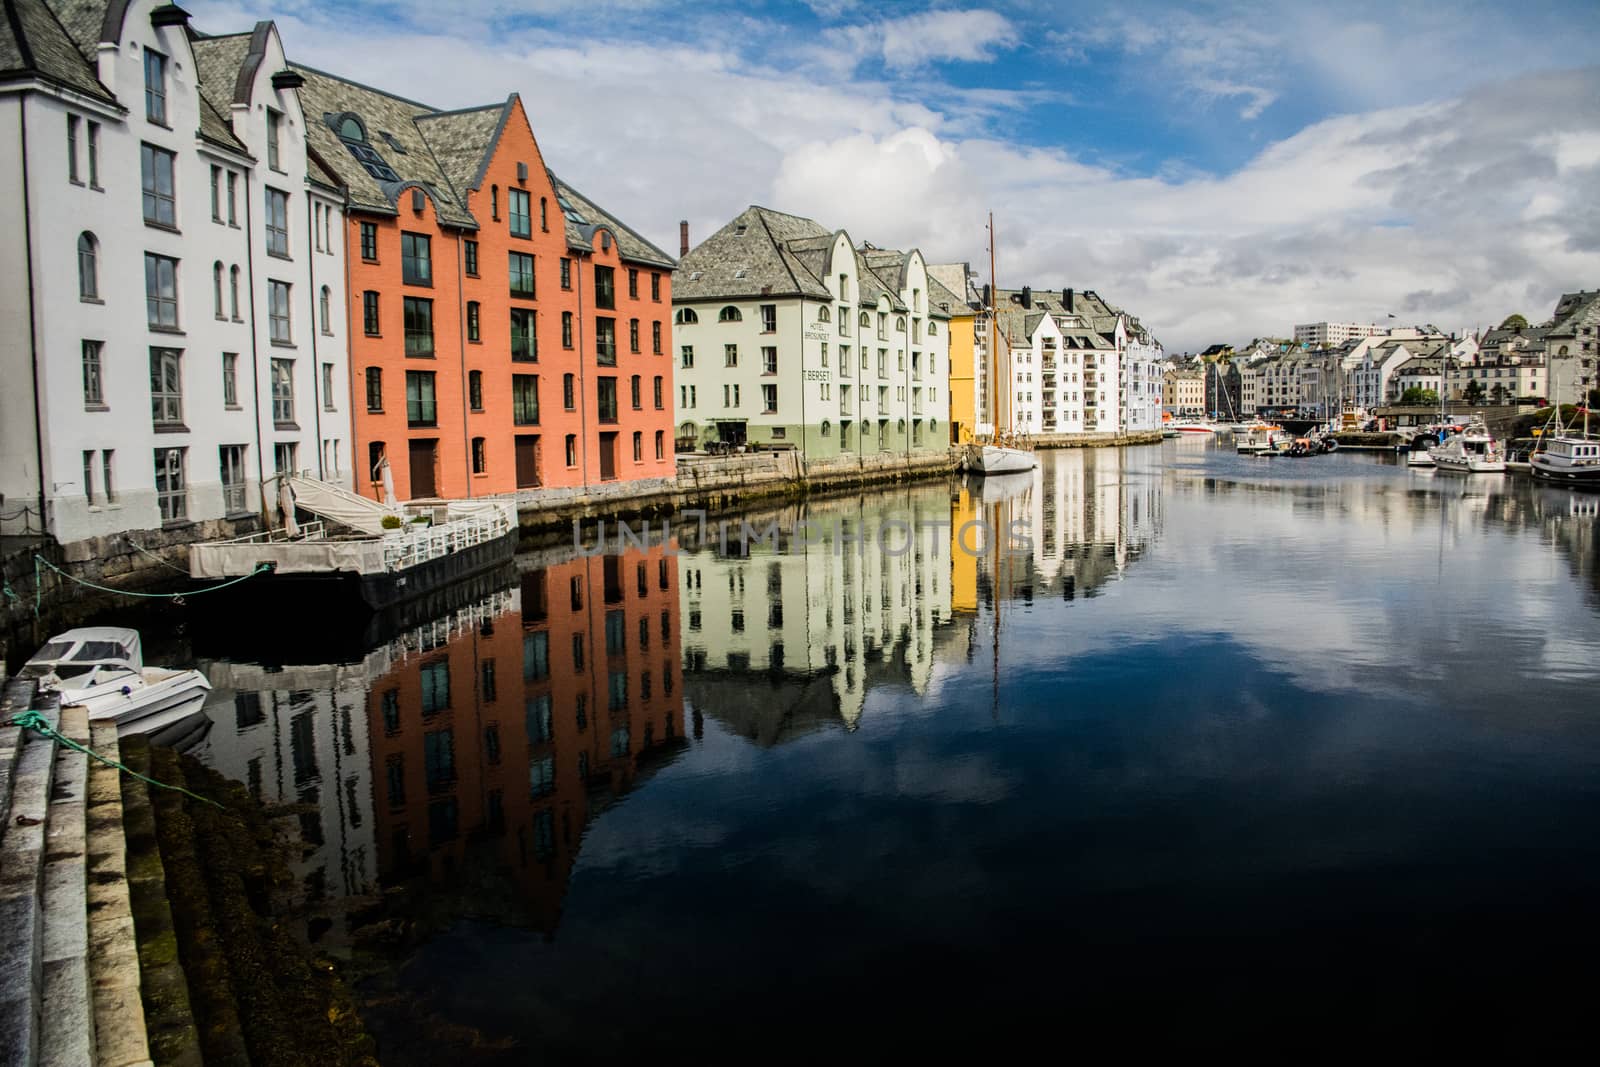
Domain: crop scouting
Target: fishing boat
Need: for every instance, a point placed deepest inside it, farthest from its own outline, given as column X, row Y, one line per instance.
column 1568, row 459
column 101, row 669
column 1260, row 442
column 1472, row 451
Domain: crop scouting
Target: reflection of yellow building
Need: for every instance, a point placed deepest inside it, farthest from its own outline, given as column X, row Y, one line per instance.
column 963, row 564
column 963, row 323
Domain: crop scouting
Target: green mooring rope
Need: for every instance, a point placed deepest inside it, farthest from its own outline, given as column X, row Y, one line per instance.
column 33, row 720
column 38, row 559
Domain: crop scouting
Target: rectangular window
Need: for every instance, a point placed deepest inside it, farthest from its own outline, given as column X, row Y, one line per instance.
column 88, row 477
column 420, row 407
column 475, row 389
column 480, row 456
column 474, row 323
column 278, row 312
column 566, row 273
column 94, row 164
column 419, row 326
column 369, row 242
column 233, row 199
column 633, row 335
column 633, row 283
column 106, row 484
column 155, row 87
column 769, row 318
column 769, row 360
column 230, row 379
column 525, row 399
column 72, row 157
column 605, row 341
column 416, row 259
column 375, row 389
column 520, row 217
column 471, row 256
column 686, row 357
column 283, row 391
column 327, row 387
column 166, row 386
column 156, row 178
column 769, row 398
column 93, row 381
column 572, row 450
column 277, row 223
column 524, row 341
column 274, row 134
column 369, row 313
column 658, row 385
column 655, row 286
column 730, row 355
column 605, row 287
column 172, row 494
column 216, row 194
column 655, row 338
column 638, row 455
column 606, row 394
column 661, row 444
column 633, row 392
column 521, row 267
column 566, row 329
column 232, row 462
column 569, row 398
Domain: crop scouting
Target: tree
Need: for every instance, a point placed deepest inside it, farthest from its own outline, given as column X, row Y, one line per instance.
column 1474, row 392
column 1514, row 321
column 1416, row 394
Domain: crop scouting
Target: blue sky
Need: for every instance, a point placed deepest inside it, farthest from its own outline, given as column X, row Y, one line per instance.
column 1221, row 170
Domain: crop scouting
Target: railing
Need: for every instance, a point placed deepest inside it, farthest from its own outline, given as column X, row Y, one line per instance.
column 410, row 548
column 306, row 531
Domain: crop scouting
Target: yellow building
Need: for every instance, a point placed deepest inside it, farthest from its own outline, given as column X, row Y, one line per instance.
column 963, row 392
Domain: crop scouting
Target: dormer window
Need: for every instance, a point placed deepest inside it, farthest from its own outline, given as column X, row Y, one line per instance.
column 354, row 135
column 389, row 139
column 738, row 231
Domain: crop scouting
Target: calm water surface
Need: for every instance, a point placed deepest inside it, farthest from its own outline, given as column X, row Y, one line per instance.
column 1293, row 758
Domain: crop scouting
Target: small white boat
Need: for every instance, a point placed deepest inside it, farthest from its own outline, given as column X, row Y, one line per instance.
column 997, row 459
column 1260, row 443
column 1418, row 455
column 1194, row 426
column 1472, row 451
column 101, row 669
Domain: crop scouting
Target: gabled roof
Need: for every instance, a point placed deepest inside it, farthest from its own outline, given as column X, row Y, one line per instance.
column 750, row 257
column 1571, row 309
column 630, row 245
column 462, row 142
column 35, row 44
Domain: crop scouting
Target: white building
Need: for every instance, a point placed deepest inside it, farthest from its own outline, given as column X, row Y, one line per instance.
column 1334, row 333
column 172, row 302
column 789, row 335
column 1077, row 364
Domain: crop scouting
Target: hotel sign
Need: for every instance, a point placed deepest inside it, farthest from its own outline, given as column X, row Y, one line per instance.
column 817, row 331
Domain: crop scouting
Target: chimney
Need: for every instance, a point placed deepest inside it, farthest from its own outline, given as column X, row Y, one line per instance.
column 1027, row 297
column 1066, row 299
column 988, row 297
column 683, row 238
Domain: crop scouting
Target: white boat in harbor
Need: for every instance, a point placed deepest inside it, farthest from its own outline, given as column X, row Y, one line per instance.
column 1567, row 460
column 1472, row 451
column 1261, row 442
column 1195, row 426
column 997, row 459
column 1418, row 455
column 101, row 669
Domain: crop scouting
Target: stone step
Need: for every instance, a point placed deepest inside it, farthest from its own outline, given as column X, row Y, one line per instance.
column 121, row 1039
column 22, row 863
column 67, row 1030
column 15, row 698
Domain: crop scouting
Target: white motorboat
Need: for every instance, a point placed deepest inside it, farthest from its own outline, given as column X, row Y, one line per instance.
column 1472, row 451
column 997, row 459
column 1194, row 426
column 1418, row 455
column 101, row 669
column 1267, row 442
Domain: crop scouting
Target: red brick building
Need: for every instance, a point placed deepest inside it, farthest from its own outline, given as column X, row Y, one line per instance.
column 506, row 333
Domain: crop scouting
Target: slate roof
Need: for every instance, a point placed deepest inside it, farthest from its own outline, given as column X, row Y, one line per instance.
column 1571, row 310
column 461, row 142
column 749, row 257
column 84, row 21
column 35, row 44
column 631, row 246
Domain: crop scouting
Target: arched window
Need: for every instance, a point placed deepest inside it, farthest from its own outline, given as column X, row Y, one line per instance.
column 933, row 328
column 216, row 287
column 866, row 321
column 1563, row 351
column 729, row 314
column 900, row 324
column 233, row 292
column 327, row 310
column 823, row 314
column 88, row 266
column 827, row 428
column 686, row 430
column 686, row 317
column 933, row 424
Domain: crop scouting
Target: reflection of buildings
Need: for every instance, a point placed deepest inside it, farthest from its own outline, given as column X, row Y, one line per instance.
column 780, row 639
column 299, row 736
column 1084, row 512
column 491, row 751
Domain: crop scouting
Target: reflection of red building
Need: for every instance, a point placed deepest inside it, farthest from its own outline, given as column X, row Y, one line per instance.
column 491, row 752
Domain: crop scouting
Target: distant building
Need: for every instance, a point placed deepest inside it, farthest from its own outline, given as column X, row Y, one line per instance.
column 1572, row 343
column 1334, row 333
column 965, row 314
column 1183, row 390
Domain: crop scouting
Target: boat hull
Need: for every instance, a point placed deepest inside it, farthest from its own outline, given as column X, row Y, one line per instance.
column 160, row 697
column 996, row 459
column 1552, row 474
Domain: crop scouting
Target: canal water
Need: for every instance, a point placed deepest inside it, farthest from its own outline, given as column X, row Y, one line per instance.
column 1160, row 745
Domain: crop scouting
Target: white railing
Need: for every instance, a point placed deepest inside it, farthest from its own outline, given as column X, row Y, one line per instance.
column 307, row 530
column 408, row 548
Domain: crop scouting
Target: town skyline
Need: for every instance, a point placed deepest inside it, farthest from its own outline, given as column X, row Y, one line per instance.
column 1210, row 171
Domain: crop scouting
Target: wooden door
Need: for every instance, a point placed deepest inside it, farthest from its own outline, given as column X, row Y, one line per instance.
column 528, row 461
column 608, row 456
column 422, row 464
